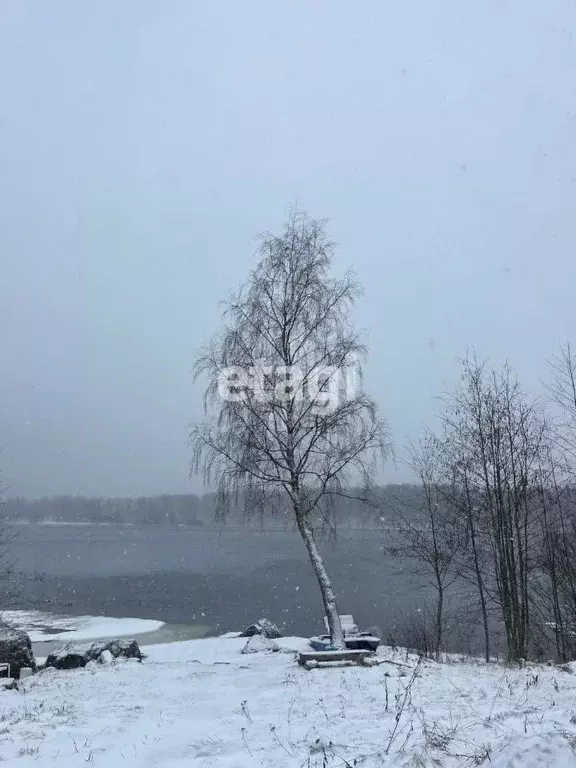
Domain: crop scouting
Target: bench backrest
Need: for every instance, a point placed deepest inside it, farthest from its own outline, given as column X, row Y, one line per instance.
column 348, row 625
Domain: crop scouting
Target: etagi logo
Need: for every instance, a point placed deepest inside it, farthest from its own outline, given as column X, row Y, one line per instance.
column 325, row 387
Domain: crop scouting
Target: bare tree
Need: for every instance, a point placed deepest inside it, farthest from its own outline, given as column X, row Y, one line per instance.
column 556, row 591
column 500, row 438
column 435, row 539
column 563, row 391
column 281, row 414
column 475, row 557
column 7, row 535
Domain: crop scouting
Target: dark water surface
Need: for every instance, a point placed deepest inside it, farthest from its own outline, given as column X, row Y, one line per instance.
column 217, row 579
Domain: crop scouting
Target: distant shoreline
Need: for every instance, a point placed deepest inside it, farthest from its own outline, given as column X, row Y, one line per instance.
column 184, row 526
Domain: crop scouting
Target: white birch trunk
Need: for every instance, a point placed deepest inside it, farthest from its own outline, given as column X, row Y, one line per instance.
column 328, row 598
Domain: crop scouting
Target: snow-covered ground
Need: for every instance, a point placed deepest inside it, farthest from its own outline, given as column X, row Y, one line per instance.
column 43, row 627
column 202, row 703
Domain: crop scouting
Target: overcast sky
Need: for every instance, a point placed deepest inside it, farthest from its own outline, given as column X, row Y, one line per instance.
column 144, row 144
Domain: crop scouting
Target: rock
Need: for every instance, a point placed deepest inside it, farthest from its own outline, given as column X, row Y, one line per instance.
column 16, row 650
column 68, row 657
column 263, row 627
column 8, row 684
column 125, row 649
column 106, row 658
column 77, row 656
column 259, row 644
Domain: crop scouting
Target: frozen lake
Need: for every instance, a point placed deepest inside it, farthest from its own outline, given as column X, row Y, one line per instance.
column 216, row 579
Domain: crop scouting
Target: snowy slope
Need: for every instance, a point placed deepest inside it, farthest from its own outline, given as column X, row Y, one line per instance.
column 201, row 703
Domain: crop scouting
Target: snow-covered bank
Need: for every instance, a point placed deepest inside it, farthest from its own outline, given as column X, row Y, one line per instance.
column 202, row 703
column 47, row 627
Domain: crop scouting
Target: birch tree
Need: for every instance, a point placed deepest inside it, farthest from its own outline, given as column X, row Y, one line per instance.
column 285, row 410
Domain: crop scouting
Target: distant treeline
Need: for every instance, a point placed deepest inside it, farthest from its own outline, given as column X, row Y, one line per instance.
column 200, row 510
